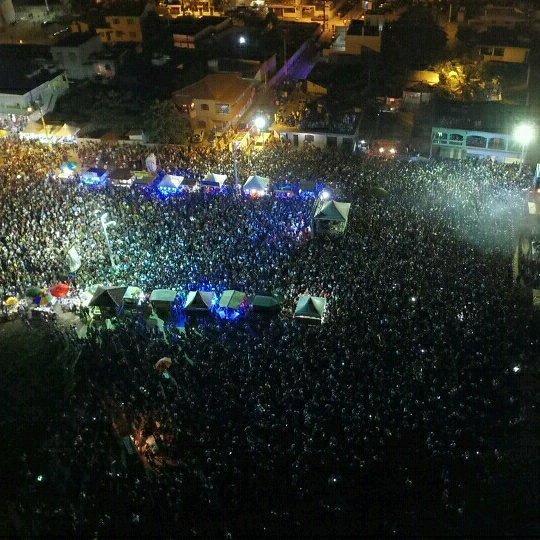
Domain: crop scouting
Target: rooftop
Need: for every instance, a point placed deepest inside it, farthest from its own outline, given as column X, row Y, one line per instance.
column 190, row 26
column 504, row 38
column 19, row 77
column 74, row 39
column 225, row 87
column 481, row 116
column 359, row 28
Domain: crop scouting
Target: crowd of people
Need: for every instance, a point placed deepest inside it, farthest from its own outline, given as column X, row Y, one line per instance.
column 398, row 415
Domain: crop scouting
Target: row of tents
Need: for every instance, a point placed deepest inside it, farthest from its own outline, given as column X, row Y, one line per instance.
column 169, row 184
column 230, row 303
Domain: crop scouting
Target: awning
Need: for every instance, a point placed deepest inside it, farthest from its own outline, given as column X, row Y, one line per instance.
column 311, row 308
column 232, row 299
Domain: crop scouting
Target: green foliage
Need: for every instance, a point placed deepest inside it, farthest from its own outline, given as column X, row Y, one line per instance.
column 467, row 36
column 165, row 125
column 414, row 41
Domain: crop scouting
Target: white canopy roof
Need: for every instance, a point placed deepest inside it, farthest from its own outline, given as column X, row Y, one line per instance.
column 214, row 179
column 333, row 211
column 171, row 181
column 255, row 182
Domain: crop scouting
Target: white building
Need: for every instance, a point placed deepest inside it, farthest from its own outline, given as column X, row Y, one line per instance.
column 72, row 54
column 459, row 144
column 24, row 90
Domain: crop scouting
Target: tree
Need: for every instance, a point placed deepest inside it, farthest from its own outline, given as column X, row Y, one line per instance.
column 165, row 125
column 467, row 36
column 414, row 41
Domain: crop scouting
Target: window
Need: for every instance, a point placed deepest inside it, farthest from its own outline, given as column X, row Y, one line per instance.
column 131, row 21
column 440, row 137
column 486, row 51
column 201, row 124
column 331, row 141
column 204, row 107
column 498, row 51
column 309, row 138
column 223, row 108
column 119, row 34
column 497, row 144
column 133, row 35
column 116, row 21
column 475, row 141
column 456, row 138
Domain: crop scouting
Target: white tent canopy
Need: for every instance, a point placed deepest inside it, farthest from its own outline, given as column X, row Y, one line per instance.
column 214, row 179
column 170, row 181
column 257, row 183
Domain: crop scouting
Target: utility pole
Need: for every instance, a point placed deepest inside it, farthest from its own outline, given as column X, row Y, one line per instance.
column 104, row 225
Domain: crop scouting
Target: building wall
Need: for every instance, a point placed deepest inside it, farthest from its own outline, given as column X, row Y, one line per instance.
column 46, row 94
column 121, row 29
column 459, row 143
column 513, row 55
column 319, row 140
column 210, row 114
column 355, row 44
column 74, row 60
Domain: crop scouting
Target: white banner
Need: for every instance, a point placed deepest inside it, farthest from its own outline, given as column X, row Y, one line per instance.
column 73, row 259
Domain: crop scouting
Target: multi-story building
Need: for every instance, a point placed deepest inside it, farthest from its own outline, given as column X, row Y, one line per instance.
column 217, row 101
column 179, row 8
column 187, row 31
column 307, row 10
column 361, row 37
column 73, row 52
column 26, row 90
column 123, row 23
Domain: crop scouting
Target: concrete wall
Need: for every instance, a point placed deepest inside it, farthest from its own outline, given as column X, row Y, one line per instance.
column 355, row 44
column 512, row 55
column 74, row 60
column 46, row 94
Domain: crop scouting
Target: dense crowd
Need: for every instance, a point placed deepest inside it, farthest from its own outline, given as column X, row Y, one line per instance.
column 396, row 416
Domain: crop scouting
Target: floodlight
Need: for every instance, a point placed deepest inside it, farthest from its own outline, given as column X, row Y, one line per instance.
column 260, row 122
column 524, row 133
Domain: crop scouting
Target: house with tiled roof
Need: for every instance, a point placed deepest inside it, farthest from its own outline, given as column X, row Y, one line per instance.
column 217, row 101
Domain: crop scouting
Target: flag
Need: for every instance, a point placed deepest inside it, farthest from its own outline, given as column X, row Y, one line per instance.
column 151, row 163
column 73, row 259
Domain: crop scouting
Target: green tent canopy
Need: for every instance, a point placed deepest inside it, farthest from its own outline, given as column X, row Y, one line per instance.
column 331, row 217
column 33, row 291
column 310, row 308
column 265, row 304
column 231, row 299
column 108, row 297
column 162, row 301
column 132, row 295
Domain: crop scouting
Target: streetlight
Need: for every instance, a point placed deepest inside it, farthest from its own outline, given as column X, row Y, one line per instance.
column 104, row 224
column 524, row 134
column 260, row 122
column 242, row 40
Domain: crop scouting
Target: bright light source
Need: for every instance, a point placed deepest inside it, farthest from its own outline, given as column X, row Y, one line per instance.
column 242, row 40
column 362, row 141
column 392, row 150
column 381, row 150
column 524, row 133
column 413, row 299
column 260, row 122
column 516, row 369
column 324, row 195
